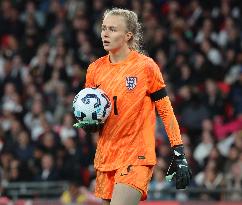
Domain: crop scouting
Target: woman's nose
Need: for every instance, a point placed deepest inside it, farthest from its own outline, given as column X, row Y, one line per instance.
column 105, row 34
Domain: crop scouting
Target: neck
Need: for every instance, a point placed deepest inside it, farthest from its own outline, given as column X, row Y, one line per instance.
column 119, row 55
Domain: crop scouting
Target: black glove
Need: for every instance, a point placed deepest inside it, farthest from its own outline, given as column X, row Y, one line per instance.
column 94, row 127
column 182, row 172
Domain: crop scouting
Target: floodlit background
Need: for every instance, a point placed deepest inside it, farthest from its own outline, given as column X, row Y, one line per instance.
column 45, row 48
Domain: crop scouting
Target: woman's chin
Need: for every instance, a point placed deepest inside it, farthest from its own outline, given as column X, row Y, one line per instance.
column 108, row 49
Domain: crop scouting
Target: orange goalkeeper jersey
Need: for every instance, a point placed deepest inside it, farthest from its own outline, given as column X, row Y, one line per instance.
column 135, row 87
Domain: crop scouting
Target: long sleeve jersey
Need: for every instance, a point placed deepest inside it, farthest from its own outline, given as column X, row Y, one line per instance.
column 135, row 87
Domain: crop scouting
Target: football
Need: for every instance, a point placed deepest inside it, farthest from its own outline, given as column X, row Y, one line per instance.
column 91, row 105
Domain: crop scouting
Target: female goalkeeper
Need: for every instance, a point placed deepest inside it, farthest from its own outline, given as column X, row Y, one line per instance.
column 125, row 154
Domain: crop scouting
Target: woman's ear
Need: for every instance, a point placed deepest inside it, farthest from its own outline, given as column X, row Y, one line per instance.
column 129, row 35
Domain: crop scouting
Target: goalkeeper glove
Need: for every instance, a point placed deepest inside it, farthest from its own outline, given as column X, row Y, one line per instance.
column 89, row 126
column 182, row 172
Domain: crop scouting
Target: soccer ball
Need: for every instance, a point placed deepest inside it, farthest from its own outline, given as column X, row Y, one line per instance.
column 91, row 105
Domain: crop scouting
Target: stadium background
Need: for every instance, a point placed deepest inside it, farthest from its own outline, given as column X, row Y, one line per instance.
column 45, row 48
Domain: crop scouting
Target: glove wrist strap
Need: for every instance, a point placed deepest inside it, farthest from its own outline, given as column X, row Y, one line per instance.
column 178, row 151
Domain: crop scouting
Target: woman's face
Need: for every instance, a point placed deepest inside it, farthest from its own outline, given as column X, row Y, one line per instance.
column 114, row 33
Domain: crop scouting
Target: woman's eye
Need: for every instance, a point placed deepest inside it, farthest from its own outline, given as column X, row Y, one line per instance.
column 112, row 29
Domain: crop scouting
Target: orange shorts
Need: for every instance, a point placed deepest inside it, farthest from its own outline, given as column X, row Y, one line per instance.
column 137, row 177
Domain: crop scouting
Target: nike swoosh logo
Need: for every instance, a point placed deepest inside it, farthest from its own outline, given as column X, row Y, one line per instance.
column 177, row 153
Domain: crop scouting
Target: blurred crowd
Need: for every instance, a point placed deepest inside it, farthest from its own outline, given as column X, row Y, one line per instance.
column 45, row 49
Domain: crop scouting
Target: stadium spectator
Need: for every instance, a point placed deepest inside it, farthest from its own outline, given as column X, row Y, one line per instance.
column 204, row 147
column 233, row 182
column 159, row 185
column 210, row 178
column 76, row 194
column 48, row 171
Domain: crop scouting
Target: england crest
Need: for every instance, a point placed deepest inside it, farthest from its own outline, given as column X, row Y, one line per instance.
column 131, row 82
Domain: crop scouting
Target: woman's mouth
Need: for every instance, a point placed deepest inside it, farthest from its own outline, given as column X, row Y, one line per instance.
column 105, row 42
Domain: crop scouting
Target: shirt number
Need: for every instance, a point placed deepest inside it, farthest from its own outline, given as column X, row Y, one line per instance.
column 115, row 98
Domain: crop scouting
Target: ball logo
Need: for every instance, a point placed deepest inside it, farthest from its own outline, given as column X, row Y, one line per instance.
column 131, row 82
column 86, row 100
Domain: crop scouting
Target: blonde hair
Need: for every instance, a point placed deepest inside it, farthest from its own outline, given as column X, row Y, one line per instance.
column 132, row 24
